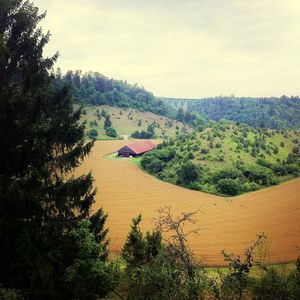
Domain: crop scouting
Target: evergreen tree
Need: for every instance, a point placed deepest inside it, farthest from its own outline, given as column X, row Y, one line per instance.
column 42, row 204
column 107, row 122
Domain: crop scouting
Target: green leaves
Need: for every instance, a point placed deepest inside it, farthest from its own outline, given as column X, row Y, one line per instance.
column 46, row 237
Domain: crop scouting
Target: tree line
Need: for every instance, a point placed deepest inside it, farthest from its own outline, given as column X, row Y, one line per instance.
column 273, row 112
column 93, row 88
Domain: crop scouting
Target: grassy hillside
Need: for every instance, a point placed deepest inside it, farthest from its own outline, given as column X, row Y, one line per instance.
column 126, row 121
column 227, row 159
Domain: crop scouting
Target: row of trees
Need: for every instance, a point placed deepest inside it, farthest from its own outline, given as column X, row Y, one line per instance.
column 149, row 134
column 109, row 129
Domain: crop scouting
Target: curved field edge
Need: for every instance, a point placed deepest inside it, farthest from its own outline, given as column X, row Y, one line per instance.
column 137, row 162
column 124, row 191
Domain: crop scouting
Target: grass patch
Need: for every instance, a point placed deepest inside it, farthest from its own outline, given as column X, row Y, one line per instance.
column 136, row 161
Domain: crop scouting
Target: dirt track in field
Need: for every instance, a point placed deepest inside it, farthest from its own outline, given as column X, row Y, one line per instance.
column 231, row 224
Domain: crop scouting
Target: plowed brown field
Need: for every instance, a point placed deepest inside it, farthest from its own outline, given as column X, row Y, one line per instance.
column 124, row 191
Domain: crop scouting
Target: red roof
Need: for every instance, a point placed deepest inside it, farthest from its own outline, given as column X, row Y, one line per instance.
column 142, row 146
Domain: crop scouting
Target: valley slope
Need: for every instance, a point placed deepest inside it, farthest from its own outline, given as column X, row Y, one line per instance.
column 227, row 158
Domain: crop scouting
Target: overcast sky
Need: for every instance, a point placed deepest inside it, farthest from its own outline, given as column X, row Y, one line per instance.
column 181, row 48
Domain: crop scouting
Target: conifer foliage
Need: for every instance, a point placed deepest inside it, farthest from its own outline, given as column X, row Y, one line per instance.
column 42, row 203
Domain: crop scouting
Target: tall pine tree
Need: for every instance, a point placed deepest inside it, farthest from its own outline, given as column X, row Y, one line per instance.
column 42, row 204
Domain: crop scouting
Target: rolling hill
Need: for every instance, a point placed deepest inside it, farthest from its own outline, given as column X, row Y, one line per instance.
column 227, row 158
column 127, row 121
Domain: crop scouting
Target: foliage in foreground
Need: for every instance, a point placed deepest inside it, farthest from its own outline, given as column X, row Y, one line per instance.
column 160, row 265
column 51, row 246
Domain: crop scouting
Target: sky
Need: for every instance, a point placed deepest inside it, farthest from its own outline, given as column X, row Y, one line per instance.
column 181, row 48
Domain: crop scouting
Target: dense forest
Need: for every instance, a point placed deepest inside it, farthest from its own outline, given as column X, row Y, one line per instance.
column 283, row 112
column 93, row 88
column 227, row 159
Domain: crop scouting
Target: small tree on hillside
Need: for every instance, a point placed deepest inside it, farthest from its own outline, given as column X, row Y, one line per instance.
column 107, row 122
column 188, row 173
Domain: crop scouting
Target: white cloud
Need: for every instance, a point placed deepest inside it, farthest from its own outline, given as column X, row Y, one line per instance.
column 182, row 48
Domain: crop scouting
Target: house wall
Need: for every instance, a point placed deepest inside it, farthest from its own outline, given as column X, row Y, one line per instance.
column 123, row 151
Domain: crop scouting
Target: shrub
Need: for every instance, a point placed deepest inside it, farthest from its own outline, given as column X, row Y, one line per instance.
column 271, row 285
column 111, row 132
column 156, row 165
column 293, row 169
column 93, row 133
column 204, row 151
column 229, row 186
column 228, row 174
column 143, row 134
column 107, row 122
column 264, row 163
column 279, row 170
column 190, row 155
column 188, row 173
column 249, row 187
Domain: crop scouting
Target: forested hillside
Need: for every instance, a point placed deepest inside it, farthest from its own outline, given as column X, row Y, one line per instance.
column 95, row 89
column 283, row 112
column 227, row 159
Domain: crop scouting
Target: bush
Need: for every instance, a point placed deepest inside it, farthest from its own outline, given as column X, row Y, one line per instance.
column 188, row 173
column 195, row 186
column 264, row 163
column 155, row 165
column 279, row 170
column 204, row 151
column 293, row 169
column 229, row 186
column 107, row 122
column 143, row 134
column 93, row 133
column 271, row 285
column 249, row 187
column 228, row 174
column 111, row 132
column 190, row 155
column 259, row 174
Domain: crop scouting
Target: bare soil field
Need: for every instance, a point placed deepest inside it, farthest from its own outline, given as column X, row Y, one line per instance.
column 124, row 191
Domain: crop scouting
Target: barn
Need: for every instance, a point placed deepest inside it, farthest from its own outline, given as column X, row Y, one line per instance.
column 136, row 149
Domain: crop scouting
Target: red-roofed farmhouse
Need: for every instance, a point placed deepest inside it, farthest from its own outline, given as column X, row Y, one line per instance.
column 136, row 149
